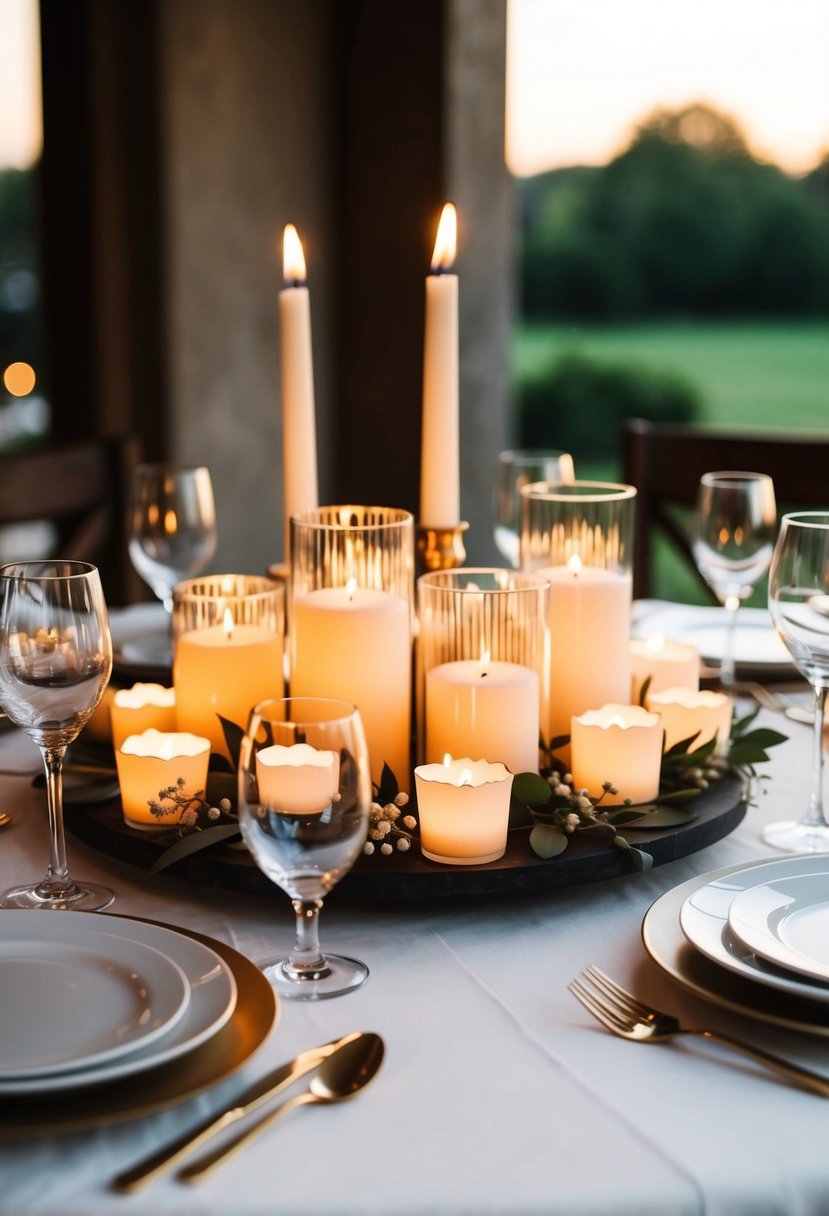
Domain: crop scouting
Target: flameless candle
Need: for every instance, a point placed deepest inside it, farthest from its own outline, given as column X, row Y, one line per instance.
column 668, row 664
column 153, row 761
column 589, row 640
column 140, row 708
column 685, row 713
column 485, row 709
column 621, row 744
column 224, row 670
column 299, row 440
column 440, row 448
column 463, row 806
column 354, row 644
column 297, row 780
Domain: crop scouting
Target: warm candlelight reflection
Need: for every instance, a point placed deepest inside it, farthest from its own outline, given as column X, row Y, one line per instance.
column 446, row 241
column 293, row 259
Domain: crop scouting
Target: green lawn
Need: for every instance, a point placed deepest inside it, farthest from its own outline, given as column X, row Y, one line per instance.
column 759, row 374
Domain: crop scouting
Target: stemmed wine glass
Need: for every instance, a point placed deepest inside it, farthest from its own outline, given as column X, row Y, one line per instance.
column 304, row 797
column 733, row 538
column 55, row 662
column 173, row 525
column 798, row 586
column 515, row 470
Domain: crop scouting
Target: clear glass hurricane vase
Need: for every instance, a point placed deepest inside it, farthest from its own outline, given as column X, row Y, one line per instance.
column 799, row 606
column 55, row 662
column 304, row 798
column 516, row 469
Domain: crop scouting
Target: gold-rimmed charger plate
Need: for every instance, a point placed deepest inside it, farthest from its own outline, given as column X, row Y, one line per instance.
column 253, row 1020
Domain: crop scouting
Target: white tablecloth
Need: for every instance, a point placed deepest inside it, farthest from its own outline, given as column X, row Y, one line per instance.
column 498, row 1092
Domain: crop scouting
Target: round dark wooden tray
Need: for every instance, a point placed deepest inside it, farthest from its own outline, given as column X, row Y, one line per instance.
column 410, row 877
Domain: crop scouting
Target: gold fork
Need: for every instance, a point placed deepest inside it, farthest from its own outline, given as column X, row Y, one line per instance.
column 623, row 1014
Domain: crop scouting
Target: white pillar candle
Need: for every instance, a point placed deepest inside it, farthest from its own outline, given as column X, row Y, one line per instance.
column 142, row 707
column 485, row 709
column 440, row 445
column 152, row 762
column 685, row 713
column 354, row 644
column 668, row 664
column 621, row 744
column 463, row 807
column 589, row 640
column 299, row 438
column 224, row 670
column 297, row 780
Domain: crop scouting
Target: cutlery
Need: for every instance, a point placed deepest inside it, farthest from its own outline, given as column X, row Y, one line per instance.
column 343, row 1073
column 267, row 1087
column 4, row 819
column 624, row 1015
column 780, row 704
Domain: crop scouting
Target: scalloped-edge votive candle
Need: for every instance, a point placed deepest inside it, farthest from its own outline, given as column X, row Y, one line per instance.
column 297, row 780
column 151, row 762
column 685, row 713
column 463, row 807
column 621, row 744
column 142, row 707
column 668, row 663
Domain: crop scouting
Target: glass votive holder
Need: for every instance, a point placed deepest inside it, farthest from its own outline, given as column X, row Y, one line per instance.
column 463, row 808
column 484, row 665
column 621, row 745
column 228, row 645
column 154, row 761
column 142, row 707
column 687, row 714
column 352, row 591
column 580, row 537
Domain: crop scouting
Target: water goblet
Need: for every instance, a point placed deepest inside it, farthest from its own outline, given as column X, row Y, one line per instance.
column 304, row 798
column 517, row 469
column 798, row 586
column 733, row 538
column 55, row 662
column 172, row 525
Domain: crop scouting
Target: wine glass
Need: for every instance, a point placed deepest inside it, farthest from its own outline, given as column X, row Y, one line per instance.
column 517, row 469
column 733, row 538
column 304, row 797
column 173, row 525
column 798, row 585
column 55, row 662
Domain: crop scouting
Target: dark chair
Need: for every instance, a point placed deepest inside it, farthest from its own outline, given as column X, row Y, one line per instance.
column 82, row 490
column 666, row 462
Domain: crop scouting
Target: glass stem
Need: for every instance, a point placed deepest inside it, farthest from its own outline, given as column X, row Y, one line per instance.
column 727, row 667
column 56, row 883
column 306, row 960
column 814, row 816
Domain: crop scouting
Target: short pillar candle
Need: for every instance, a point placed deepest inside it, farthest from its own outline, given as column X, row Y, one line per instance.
column 463, row 806
column 686, row 714
column 152, row 762
column 620, row 744
column 297, row 780
column 664, row 663
column 142, row 707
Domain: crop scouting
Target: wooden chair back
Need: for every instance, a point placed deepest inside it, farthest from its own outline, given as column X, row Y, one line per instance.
column 665, row 464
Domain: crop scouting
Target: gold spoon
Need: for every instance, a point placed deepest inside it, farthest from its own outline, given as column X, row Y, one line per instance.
column 341, row 1075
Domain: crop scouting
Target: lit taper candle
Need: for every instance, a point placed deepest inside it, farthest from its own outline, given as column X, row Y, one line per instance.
column 440, row 446
column 299, row 437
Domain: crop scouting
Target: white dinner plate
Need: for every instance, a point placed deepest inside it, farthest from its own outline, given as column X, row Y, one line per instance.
column 798, row 1008
column 756, row 643
column 212, row 999
column 703, row 919
column 71, row 998
column 141, row 639
column 786, row 921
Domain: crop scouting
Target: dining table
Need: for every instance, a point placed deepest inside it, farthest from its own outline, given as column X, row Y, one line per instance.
column 498, row 1092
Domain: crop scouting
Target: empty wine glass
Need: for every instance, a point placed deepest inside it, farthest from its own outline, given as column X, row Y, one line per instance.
column 733, row 538
column 798, row 587
column 172, row 526
column 304, row 797
column 517, row 469
column 55, row 662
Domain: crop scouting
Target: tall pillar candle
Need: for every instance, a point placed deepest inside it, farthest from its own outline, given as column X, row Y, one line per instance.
column 299, row 439
column 486, row 710
column 440, row 444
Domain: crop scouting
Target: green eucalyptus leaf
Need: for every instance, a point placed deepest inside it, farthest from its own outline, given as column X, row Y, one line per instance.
column 679, row 796
column 643, row 691
column 531, row 789
column 194, row 842
column 739, row 726
column 558, row 741
column 221, row 785
column 625, row 816
column 746, row 754
column 680, row 749
column 234, row 735
column 388, row 789
column 640, row 860
column 520, row 815
column 547, row 841
column 664, row 817
column 764, row 737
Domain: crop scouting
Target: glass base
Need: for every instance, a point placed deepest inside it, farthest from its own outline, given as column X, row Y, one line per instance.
column 339, row 975
column 78, row 897
column 793, row 836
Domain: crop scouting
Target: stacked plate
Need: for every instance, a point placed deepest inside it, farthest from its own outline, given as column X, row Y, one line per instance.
column 753, row 938
column 89, row 1000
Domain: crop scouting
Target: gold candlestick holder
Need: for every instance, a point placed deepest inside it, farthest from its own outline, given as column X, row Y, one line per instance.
column 441, row 548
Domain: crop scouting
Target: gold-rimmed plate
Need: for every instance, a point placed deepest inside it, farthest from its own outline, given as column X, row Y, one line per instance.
column 207, row 1066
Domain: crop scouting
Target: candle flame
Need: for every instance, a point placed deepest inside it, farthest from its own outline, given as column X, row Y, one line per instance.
column 350, row 588
column 466, row 777
column 486, row 655
column 446, row 241
column 227, row 623
column 574, row 565
column 293, row 259
column 447, row 759
column 655, row 644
